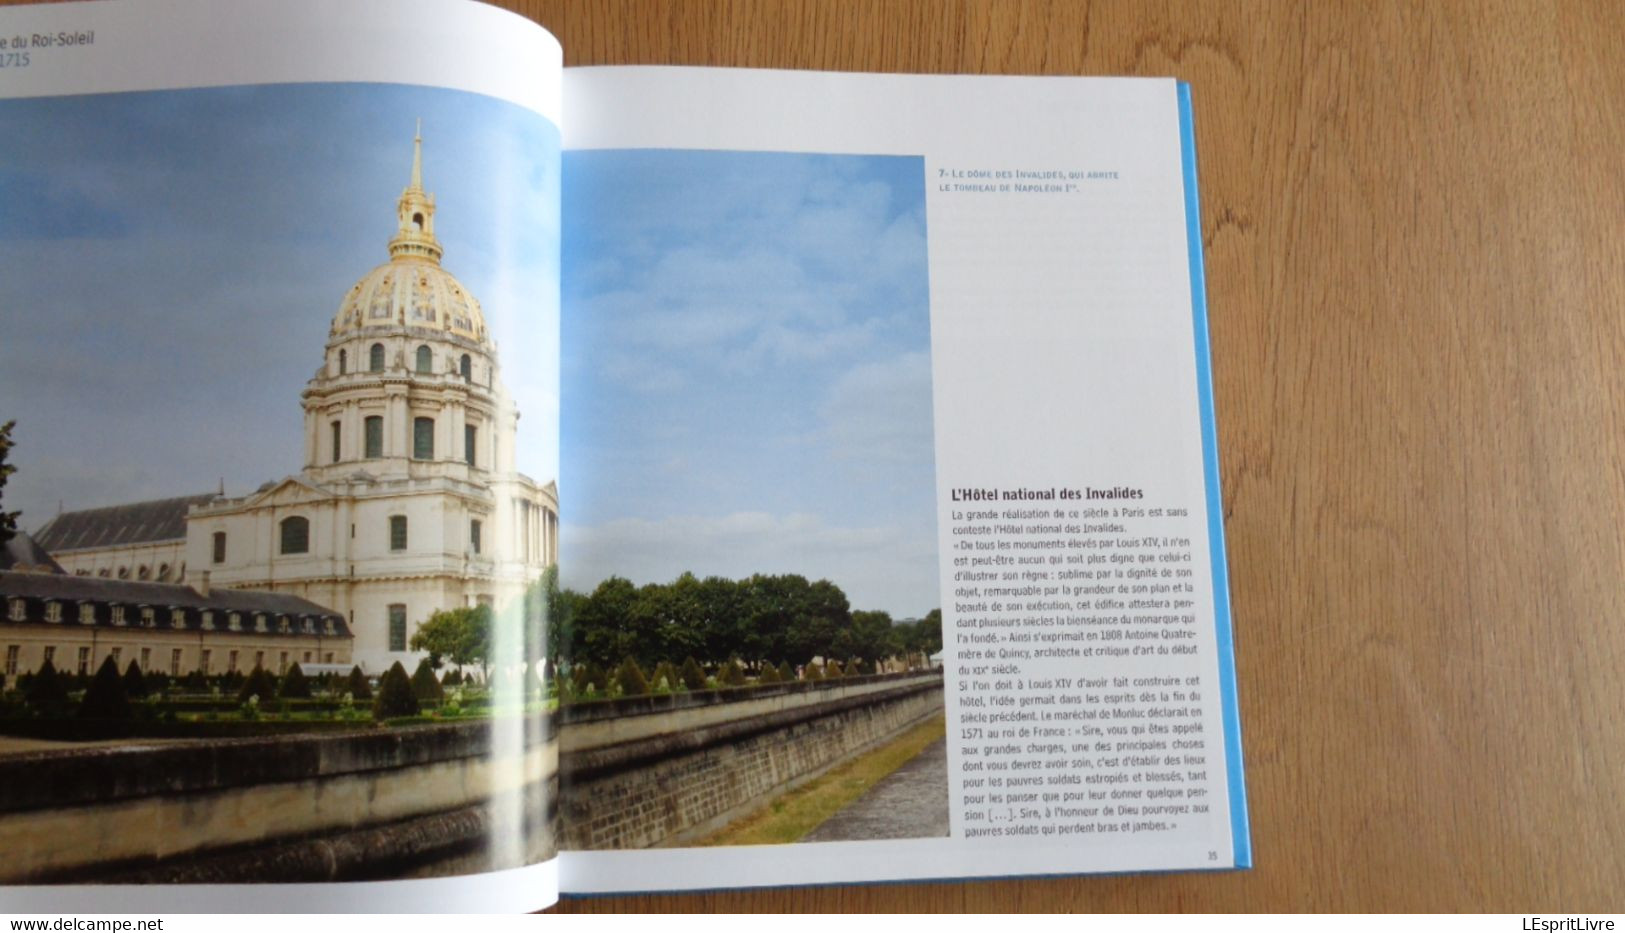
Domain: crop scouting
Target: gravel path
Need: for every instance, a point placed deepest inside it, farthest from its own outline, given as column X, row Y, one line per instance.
column 909, row 803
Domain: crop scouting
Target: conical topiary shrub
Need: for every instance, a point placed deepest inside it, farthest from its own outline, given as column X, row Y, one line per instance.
column 260, row 683
column 356, row 685
column 732, row 674
column 786, row 672
column 425, row 685
column 105, row 698
column 395, row 697
column 664, row 678
column 47, row 694
column 631, row 680
column 692, row 674
column 135, row 683
column 295, row 685
column 769, row 675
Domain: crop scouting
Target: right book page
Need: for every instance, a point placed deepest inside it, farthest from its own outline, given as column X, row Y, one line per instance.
column 891, row 529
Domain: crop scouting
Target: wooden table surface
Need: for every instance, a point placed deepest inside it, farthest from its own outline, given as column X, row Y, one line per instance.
column 1415, row 227
column 1414, row 218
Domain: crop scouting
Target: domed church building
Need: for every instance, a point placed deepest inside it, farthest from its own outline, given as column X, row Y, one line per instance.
column 409, row 501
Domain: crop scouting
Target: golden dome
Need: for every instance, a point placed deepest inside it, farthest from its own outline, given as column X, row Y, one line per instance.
column 411, row 290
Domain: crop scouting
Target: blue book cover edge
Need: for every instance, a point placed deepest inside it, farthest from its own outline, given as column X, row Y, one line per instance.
column 1241, row 836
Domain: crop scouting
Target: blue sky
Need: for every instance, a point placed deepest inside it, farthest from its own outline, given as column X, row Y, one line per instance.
column 170, row 263
column 746, row 373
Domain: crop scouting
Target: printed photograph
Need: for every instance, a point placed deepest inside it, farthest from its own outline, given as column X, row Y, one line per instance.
column 278, row 485
column 748, row 626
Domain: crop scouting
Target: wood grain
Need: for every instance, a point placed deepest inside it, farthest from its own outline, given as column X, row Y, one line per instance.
column 1414, row 217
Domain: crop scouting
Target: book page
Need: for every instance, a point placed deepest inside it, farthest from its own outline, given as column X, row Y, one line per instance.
column 891, row 529
column 278, row 343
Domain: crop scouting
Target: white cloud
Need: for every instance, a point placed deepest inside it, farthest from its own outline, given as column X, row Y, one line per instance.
column 881, row 412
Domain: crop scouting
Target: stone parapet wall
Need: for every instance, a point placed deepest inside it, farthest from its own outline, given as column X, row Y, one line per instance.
column 681, row 767
column 223, row 809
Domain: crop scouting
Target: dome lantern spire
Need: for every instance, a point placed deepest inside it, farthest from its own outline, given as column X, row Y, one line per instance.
column 414, row 239
column 417, row 158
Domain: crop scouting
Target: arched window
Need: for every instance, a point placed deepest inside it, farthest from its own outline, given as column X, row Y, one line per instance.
column 425, row 360
column 417, row 221
column 295, row 535
column 141, row 572
column 397, row 627
column 375, row 359
column 344, row 362
column 163, row 572
column 423, row 438
column 375, row 436
column 124, row 573
column 466, row 367
column 470, row 435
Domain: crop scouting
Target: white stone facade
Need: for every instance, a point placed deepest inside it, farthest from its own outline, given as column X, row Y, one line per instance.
column 409, row 501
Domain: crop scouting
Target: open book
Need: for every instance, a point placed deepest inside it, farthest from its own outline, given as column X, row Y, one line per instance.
column 477, row 479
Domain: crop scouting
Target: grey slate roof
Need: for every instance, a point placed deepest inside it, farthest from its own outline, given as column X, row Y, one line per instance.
column 22, row 551
column 179, row 595
column 36, row 591
column 115, row 525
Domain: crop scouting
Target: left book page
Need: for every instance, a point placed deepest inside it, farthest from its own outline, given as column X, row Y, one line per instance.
column 277, row 284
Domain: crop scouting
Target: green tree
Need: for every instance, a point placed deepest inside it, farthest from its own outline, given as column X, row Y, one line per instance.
column 873, row 637
column 105, row 698
column 8, row 520
column 395, row 696
column 724, row 620
column 605, row 633
column 461, row 636
column 793, row 619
